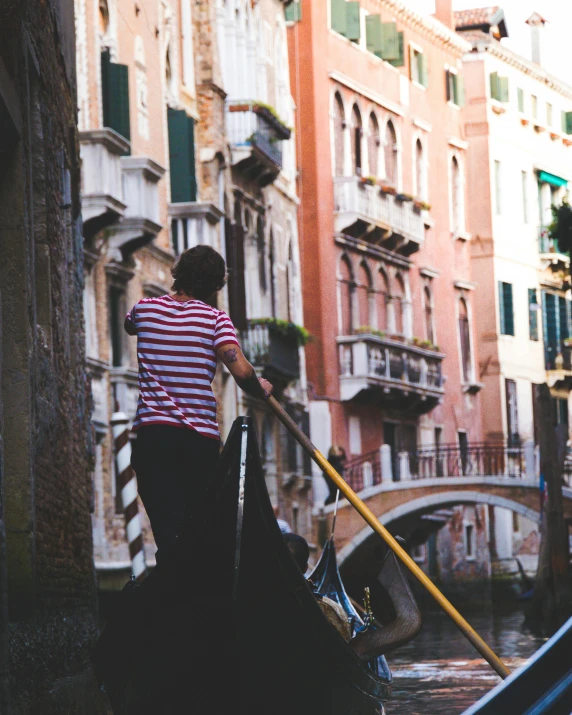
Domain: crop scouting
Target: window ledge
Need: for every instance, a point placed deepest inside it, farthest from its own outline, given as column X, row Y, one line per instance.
column 472, row 387
column 427, row 220
column 415, row 83
column 452, row 104
column 497, row 107
column 461, row 235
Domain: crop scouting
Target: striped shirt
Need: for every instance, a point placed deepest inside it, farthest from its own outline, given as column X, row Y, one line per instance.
column 176, row 345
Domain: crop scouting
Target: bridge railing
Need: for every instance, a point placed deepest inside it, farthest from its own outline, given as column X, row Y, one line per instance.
column 474, row 460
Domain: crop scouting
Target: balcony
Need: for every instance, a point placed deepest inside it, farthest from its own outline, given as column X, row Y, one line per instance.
column 558, row 361
column 364, row 211
column 382, row 370
column 141, row 220
column 273, row 351
column 102, row 189
column 550, row 255
column 194, row 223
column 256, row 136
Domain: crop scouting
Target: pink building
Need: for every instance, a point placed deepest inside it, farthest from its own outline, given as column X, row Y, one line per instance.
column 387, row 289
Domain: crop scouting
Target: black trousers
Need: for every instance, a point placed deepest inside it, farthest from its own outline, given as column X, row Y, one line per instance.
column 174, row 466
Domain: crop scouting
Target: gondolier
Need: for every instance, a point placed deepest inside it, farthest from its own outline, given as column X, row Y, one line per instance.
column 179, row 339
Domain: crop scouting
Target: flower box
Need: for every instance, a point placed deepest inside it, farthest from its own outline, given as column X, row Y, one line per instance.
column 525, row 122
column 387, row 189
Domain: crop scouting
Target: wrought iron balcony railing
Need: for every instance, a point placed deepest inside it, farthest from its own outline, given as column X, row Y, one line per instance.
column 273, row 351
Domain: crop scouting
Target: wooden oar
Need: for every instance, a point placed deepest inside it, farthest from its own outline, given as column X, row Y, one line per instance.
column 488, row 654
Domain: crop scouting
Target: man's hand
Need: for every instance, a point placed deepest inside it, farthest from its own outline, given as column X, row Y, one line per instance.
column 243, row 372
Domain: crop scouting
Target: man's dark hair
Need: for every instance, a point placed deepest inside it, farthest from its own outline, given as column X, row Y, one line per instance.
column 200, row 272
column 299, row 549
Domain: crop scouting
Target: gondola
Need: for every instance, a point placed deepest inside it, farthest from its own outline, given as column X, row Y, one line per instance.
column 541, row 687
column 228, row 624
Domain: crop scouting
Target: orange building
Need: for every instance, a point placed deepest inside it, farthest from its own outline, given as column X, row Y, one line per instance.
column 387, row 292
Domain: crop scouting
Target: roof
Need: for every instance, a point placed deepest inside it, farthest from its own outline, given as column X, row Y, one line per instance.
column 482, row 18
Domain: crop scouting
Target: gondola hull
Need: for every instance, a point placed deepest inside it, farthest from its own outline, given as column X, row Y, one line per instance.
column 228, row 624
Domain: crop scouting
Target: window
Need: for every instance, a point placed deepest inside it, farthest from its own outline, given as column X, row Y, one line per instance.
column 235, row 261
column 429, row 328
column 382, row 295
column 556, row 323
column 363, row 296
column 534, row 106
column 506, row 309
column 524, row 185
column 549, row 117
column 470, row 542
column 345, row 19
column 356, row 137
column 115, row 95
column 293, row 12
column 513, row 436
column 515, row 522
column 347, row 287
column 498, row 188
column 418, row 66
column 181, row 129
column 339, row 127
column 117, row 313
column 373, row 142
column 390, row 154
column 455, row 88
column 520, row 99
column 533, row 309
column 567, row 122
column 463, row 451
column 465, row 341
column 499, row 87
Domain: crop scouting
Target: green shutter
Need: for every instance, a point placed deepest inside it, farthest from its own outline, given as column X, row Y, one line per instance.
column 503, row 89
column 520, row 99
column 423, row 71
column 507, row 314
column 564, row 318
column 115, row 96
column 459, row 90
column 389, row 41
column 353, row 20
column 373, row 37
column 181, row 156
column 400, row 60
column 567, row 122
column 494, row 82
column 448, row 85
column 533, row 314
column 501, row 308
column 293, row 12
column 338, row 9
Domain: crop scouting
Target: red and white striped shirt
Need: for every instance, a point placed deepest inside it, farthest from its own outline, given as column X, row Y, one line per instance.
column 176, row 345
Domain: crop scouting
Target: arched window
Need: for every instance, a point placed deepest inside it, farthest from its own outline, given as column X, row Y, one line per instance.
column 103, row 16
column 261, row 250
column 382, row 297
column 346, row 294
column 398, row 299
column 364, row 293
column 429, row 329
column 456, row 195
column 465, row 340
column 357, row 132
column 390, row 152
column 420, row 174
column 339, row 126
column 290, row 283
column 373, row 142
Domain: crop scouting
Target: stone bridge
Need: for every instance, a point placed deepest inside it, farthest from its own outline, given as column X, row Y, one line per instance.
column 396, row 503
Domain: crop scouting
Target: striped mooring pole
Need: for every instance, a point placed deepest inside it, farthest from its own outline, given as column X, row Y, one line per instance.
column 128, row 483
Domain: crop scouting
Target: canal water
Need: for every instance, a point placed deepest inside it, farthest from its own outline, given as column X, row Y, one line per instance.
column 440, row 673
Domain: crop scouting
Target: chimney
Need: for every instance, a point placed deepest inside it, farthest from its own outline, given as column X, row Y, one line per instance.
column 536, row 23
column 444, row 12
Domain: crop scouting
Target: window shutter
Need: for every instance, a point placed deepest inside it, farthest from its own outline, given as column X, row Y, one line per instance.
column 508, row 309
column 564, row 319
column 338, row 19
column 448, row 82
column 503, row 89
column 181, row 156
column 400, row 60
column 115, row 96
column 305, row 427
column 293, row 12
column 501, row 309
column 353, row 29
column 390, row 41
column 520, row 99
column 234, row 241
column 532, row 314
column 423, row 71
column 568, row 122
column 373, row 37
column 494, row 81
column 459, row 87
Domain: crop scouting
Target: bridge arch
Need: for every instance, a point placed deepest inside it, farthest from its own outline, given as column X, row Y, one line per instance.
column 432, row 502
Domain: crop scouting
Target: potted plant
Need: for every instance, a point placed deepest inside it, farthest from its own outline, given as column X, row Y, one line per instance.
column 368, row 180
column 285, row 328
column 404, row 197
column 561, row 226
column 388, row 189
column 420, row 205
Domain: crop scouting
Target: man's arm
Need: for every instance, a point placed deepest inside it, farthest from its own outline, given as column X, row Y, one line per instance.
column 130, row 329
column 243, row 372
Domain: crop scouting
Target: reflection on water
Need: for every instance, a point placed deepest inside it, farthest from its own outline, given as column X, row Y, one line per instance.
column 438, row 673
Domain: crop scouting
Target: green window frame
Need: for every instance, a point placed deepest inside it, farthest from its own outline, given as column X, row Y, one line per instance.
column 455, row 88
column 418, row 66
column 506, row 311
column 293, row 11
column 181, row 156
column 533, row 310
column 499, row 87
column 567, row 122
column 115, row 95
column 520, row 99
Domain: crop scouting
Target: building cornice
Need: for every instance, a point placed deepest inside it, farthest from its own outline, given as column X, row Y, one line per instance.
column 495, row 48
column 427, row 26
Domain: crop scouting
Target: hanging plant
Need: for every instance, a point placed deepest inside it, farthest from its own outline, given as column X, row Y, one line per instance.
column 561, row 226
column 285, row 328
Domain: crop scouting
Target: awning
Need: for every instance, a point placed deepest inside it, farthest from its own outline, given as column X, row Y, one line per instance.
column 551, row 179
